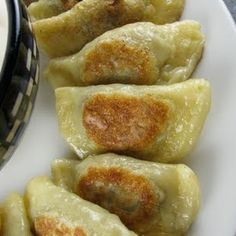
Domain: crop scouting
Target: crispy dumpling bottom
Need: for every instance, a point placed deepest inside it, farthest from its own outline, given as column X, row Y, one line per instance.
column 156, row 123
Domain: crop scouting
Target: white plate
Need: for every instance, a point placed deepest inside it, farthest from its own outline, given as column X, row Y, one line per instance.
column 214, row 158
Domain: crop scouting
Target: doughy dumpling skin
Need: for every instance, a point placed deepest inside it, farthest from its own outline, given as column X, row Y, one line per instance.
column 139, row 53
column 1, row 220
column 54, row 211
column 157, row 123
column 67, row 33
column 62, row 173
column 15, row 222
column 48, row 8
column 28, row 2
column 148, row 197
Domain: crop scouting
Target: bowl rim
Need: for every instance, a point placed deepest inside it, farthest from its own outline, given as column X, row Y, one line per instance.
column 13, row 42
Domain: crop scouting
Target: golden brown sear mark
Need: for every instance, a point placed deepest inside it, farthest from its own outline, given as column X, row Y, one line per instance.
column 124, row 123
column 68, row 4
column 128, row 195
column 116, row 61
column 115, row 9
column 48, row 226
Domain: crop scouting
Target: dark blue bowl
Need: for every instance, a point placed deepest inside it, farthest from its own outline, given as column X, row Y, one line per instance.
column 18, row 79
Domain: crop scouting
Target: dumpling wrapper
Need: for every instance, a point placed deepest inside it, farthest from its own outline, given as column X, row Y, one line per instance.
column 45, row 8
column 138, row 53
column 62, row 174
column 28, row 2
column 67, row 33
column 156, row 123
column 148, row 197
column 14, row 217
column 49, row 8
column 1, row 220
column 54, row 211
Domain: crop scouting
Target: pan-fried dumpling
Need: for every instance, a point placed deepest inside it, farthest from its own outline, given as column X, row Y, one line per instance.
column 28, row 2
column 1, row 220
column 148, row 197
column 158, row 123
column 62, row 174
column 67, row 33
column 48, row 8
column 139, row 53
column 45, row 9
column 15, row 221
column 54, row 211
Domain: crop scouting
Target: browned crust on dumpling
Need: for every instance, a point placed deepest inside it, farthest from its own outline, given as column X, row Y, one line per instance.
column 124, row 123
column 68, row 4
column 48, row 226
column 129, row 62
column 130, row 196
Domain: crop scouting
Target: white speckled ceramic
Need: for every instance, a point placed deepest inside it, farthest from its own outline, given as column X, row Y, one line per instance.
column 213, row 159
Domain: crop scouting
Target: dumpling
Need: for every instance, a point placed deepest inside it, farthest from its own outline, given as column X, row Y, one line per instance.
column 15, row 221
column 157, row 123
column 148, row 197
column 62, row 174
column 1, row 220
column 67, row 33
column 138, row 53
column 54, row 211
column 14, row 217
column 45, row 9
column 28, row 2
column 48, row 8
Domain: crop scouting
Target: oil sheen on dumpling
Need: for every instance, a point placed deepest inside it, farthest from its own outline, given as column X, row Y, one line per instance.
column 158, row 123
column 67, row 33
column 15, row 222
column 54, row 211
column 139, row 53
column 49, row 8
column 148, row 197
